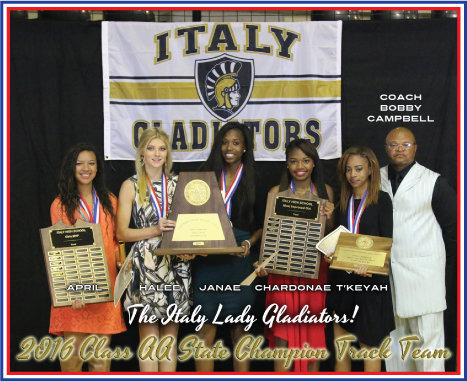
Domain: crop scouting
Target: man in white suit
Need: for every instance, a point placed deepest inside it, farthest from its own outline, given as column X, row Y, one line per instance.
column 422, row 213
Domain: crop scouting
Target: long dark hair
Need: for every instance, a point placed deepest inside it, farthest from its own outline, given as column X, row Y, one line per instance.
column 68, row 188
column 317, row 176
column 373, row 180
column 215, row 162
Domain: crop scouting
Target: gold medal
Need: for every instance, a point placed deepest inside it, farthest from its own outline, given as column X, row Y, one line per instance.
column 197, row 192
column 364, row 242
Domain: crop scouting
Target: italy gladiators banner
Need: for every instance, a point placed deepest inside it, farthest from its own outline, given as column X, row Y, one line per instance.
column 283, row 80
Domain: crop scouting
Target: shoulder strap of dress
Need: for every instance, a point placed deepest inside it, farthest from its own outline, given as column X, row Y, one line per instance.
column 134, row 180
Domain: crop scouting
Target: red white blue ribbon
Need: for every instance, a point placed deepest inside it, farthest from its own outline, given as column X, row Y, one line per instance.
column 88, row 214
column 353, row 220
column 292, row 186
column 160, row 207
column 227, row 196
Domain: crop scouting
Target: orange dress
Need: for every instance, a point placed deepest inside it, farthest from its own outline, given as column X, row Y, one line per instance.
column 100, row 318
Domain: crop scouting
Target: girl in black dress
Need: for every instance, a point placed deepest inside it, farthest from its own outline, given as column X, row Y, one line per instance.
column 364, row 209
column 232, row 160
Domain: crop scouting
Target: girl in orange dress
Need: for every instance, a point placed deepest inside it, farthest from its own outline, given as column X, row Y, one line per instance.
column 304, row 176
column 83, row 195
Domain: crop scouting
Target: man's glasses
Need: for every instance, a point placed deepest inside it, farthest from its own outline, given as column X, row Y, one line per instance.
column 403, row 146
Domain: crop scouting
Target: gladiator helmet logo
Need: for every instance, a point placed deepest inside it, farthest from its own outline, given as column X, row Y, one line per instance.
column 224, row 84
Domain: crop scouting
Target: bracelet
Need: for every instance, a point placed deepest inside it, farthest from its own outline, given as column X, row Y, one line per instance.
column 249, row 244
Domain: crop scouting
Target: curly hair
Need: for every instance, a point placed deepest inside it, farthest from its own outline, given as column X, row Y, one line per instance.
column 68, row 187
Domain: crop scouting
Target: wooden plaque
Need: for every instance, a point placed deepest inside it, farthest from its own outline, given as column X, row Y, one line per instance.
column 202, row 224
column 76, row 263
column 354, row 250
column 292, row 228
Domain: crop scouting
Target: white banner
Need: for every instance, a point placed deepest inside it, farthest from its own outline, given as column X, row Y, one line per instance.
column 283, row 80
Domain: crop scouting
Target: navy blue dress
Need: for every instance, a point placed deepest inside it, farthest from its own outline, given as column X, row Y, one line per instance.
column 226, row 270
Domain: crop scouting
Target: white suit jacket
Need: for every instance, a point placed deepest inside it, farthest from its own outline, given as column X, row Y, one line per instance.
column 418, row 256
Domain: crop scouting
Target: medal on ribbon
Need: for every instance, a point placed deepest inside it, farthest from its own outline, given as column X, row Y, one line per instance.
column 227, row 195
column 161, row 206
column 353, row 221
column 89, row 215
column 292, row 186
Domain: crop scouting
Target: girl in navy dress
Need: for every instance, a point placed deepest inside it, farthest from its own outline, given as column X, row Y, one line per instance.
column 232, row 161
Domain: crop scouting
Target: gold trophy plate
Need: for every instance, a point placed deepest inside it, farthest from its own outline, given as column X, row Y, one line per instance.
column 201, row 222
column 355, row 250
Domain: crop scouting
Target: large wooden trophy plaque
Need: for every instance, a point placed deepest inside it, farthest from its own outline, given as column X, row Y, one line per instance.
column 76, row 263
column 202, row 224
column 292, row 228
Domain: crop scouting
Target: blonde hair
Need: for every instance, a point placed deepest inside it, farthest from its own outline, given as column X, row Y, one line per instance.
column 374, row 178
column 146, row 137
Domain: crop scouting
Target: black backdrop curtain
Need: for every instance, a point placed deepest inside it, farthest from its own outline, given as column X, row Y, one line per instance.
column 56, row 101
column 405, row 58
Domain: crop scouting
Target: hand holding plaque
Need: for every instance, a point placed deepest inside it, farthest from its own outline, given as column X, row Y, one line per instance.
column 354, row 251
column 202, row 225
column 292, row 228
column 76, row 263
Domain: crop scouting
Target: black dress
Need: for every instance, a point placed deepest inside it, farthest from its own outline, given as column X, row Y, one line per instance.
column 375, row 317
